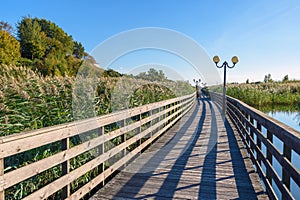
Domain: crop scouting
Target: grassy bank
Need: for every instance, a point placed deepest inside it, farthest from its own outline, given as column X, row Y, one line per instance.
column 264, row 94
column 267, row 96
column 29, row 101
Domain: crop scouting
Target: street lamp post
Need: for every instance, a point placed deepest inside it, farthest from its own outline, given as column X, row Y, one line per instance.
column 234, row 60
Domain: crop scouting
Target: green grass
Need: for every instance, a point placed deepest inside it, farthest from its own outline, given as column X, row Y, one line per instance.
column 265, row 96
column 29, row 101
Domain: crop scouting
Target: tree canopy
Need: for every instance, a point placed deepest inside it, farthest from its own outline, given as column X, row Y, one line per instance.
column 152, row 75
column 9, row 48
column 48, row 48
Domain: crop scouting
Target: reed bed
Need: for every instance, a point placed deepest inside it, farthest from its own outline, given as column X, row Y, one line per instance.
column 30, row 101
column 267, row 95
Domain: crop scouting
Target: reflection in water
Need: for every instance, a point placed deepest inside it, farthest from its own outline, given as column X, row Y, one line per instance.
column 287, row 114
column 291, row 119
column 297, row 118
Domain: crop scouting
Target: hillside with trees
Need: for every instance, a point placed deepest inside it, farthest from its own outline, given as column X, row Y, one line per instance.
column 42, row 46
column 39, row 62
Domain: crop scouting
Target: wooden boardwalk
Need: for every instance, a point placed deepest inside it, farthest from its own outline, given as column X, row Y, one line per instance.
column 200, row 157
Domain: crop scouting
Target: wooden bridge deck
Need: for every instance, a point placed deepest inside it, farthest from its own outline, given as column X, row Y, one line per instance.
column 200, row 157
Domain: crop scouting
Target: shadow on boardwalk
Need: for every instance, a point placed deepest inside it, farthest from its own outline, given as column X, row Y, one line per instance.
column 198, row 158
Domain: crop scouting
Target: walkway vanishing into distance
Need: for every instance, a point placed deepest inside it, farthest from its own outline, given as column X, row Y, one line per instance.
column 173, row 149
column 200, row 157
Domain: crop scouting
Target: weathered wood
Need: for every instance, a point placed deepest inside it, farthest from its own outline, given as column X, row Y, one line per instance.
column 272, row 150
column 268, row 185
column 194, row 173
column 287, row 153
column 280, row 130
column 227, row 174
column 18, row 143
column 26, row 141
column 27, row 171
column 289, row 137
column 85, row 189
column 2, row 192
column 269, row 154
column 65, row 168
column 258, row 141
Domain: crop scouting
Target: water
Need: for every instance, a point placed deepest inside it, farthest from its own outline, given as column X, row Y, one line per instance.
column 292, row 119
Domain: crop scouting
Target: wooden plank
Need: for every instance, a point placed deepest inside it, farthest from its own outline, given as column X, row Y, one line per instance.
column 286, row 134
column 86, row 188
column 271, row 173
column 30, row 170
column 273, row 151
column 287, row 153
column 2, row 192
column 61, row 182
column 267, row 184
column 269, row 154
column 66, row 168
column 187, row 173
column 73, row 175
column 18, row 143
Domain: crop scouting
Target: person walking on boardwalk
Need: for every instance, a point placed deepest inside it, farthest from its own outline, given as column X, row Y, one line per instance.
column 198, row 89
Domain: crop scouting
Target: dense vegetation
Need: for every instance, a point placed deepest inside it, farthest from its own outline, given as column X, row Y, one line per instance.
column 268, row 95
column 38, row 65
column 40, row 45
column 29, row 101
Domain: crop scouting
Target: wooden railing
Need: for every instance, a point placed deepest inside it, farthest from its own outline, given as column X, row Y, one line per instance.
column 134, row 130
column 259, row 133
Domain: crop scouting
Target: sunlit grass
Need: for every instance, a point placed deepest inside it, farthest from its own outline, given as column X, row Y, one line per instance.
column 29, row 101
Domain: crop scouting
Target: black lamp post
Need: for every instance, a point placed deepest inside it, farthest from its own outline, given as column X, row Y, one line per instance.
column 234, row 60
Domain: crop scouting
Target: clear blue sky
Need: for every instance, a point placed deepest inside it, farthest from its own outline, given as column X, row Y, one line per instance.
column 265, row 34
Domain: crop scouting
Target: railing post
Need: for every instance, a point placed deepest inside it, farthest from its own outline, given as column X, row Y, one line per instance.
column 287, row 153
column 140, row 130
column 151, row 122
column 269, row 156
column 65, row 144
column 2, row 192
column 258, row 142
column 251, row 133
column 123, row 138
column 161, row 109
column 246, row 127
column 101, row 167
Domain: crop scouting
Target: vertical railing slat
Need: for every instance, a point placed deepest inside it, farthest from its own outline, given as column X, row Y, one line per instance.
column 65, row 144
column 269, row 156
column 101, row 151
column 2, row 191
column 287, row 153
column 258, row 142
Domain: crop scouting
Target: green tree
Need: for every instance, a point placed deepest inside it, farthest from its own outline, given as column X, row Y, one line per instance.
column 9, row 48
column 152, row 75
column 111, row 73
column 51, row 50
column 78, row 51
column 268, row 78
column 285, row 78
column 33, row 41
column 4, row 26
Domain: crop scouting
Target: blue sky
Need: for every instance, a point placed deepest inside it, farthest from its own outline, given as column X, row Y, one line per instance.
column 264, row 34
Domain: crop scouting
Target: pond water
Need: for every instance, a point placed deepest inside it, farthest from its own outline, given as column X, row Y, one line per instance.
column 291, row 119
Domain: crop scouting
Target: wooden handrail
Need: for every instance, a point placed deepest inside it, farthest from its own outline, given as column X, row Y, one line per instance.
column 168, row 112
column 250, row 122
